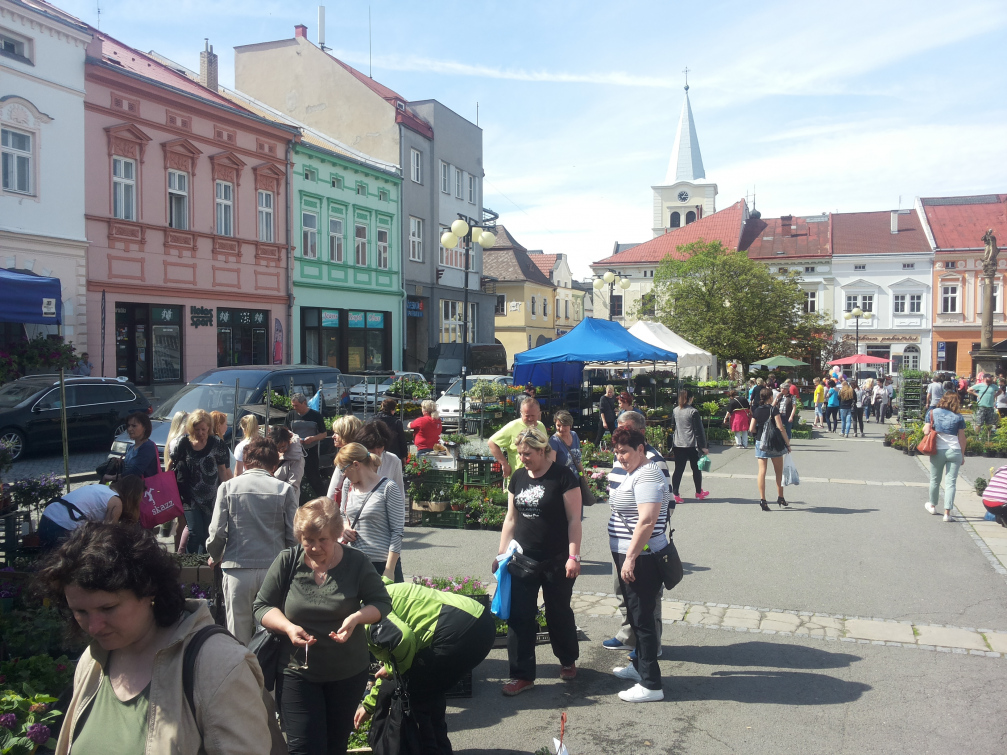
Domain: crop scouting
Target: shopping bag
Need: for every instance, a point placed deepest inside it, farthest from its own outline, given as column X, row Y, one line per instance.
column 704, row 463
column 928, row 446
column 790, row 476
column 160, row 502
column 501, row 598
column 315, row 402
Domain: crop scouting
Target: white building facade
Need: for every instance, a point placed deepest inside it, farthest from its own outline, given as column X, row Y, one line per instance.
column 42, row 146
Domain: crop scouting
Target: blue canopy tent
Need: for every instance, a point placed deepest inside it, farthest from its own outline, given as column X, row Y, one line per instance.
column 31, row 298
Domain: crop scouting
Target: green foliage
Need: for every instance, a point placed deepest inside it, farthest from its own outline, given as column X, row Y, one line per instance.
column 598, row 481
column 33, row 714
column 42, row 672
column 32, row 493
column 458, row 584
column 37, row 631
column 409, row 389
column 658, row 437
column 484, row 391
column 591, row 456
column 279, row 401
column 358, row 739
column 981, row 483
column 40, row 354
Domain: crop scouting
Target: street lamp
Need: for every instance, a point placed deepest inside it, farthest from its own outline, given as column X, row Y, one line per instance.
column 857, row 314
column 467, row 230
column 610, row 278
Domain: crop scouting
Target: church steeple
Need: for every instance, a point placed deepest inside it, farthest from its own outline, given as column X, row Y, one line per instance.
column 686, row 162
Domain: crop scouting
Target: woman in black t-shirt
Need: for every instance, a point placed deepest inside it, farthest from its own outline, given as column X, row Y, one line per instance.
column 767, row 412
column 543, row 516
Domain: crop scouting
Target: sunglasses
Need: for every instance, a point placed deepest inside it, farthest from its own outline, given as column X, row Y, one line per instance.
column 302, row 666
column 342, row 470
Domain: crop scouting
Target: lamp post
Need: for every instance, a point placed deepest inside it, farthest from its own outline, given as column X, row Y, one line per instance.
column 857, row 314
column 467, row 230
column 609, row 278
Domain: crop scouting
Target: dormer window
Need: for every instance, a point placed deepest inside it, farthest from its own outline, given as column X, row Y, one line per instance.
column 400, row 105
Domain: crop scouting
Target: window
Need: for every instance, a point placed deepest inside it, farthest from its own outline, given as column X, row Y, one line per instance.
column 557, row 310
column 337, row 182
column 675, row 221
column 178, row 200
column 452, row 257
column 383, row 195
column 361, row 190
column 16, row 149
column 309, row 235
column 123, row 188
column 335, row 240
column 949, row 298
column 860, row 267
column 265, row 200
column 867, row 302
column 225, row 208
column 899, row 303
column 415, row 239
column 908, row 265
column 690, row 217
column 545, row 307
column 416, row 165
column 501, row 306
column 810, row 301
column 445, row 178
column 382, row 249
column 459, row 178
column 915, row 303
column 617, row 305
column 950, row 265
column 851, row 302
column 534, row 306
column 472, row 189
column 452, row 321
column 566, row 309
column 13, row 47
column 982, row 298
column 809, row 268
column 529, row 340
column 310, row 175
column 360, row 234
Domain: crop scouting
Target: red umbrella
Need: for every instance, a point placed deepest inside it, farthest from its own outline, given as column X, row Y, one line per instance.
column 860, row 359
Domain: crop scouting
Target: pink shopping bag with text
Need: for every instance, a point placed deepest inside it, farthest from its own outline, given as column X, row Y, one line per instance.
column 161, row 502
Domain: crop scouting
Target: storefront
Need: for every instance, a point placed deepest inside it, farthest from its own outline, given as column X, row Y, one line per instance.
column 908, row 351
column 148, row 342
column 242, row 336
column 351, row 340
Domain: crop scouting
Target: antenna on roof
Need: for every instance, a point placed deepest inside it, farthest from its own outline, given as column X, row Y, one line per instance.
column 321, row 29
column 98, row 25
column 477, row 112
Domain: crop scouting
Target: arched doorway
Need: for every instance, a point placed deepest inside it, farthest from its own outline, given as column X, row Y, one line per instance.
column 911, row 358
column 542, row 341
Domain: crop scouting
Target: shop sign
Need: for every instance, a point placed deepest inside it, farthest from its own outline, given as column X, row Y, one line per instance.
column 414, row 308
column 201, row 316
column 330, row 318
column 162, row 315
column 48, row 307
column 355, row 319
column 241, row 316
column 375, row 319
column 850, row 337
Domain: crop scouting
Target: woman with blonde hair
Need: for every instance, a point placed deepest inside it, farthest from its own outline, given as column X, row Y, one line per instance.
column 249, row 425
column 345, row 429
column 427, row 429
column 374, row 507
column 847, row 402
column 333, row 588
column 200, row 463
column 175, row 432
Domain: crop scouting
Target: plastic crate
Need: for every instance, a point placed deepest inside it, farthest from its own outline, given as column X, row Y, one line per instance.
column 11, row 527
column 480, row 471
column 440, row 477
column 445, row 519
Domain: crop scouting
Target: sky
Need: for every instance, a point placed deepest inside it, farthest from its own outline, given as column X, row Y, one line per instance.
column 808, row 107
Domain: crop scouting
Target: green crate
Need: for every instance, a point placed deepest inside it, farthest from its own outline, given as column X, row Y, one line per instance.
column 440, row 477
column 447, row 519
column 481, row 471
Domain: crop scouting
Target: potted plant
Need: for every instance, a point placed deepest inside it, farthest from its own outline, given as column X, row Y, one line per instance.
column 32, row 494
column 439, row 499
column 980, row 484
column 26, row 718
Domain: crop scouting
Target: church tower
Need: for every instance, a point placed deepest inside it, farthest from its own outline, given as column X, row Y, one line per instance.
column 686, row 195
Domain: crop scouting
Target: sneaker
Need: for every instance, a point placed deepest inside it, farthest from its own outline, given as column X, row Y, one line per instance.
column 930, row 508
column 703, row 494
column 517, row 686
column 632, row 655
column 640, row 694
column 627, row 672
column 615, row 644
column 566, row 673
column 948, row 517
column 679, row 499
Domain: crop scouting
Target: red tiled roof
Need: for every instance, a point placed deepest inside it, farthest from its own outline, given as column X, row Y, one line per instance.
column 960, row 222
column 871, row 233
column 406, row 117
column 723, row 226
column 785, row 237
column 544, row 262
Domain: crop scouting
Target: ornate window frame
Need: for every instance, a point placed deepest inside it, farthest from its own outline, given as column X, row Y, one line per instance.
column 21, row 115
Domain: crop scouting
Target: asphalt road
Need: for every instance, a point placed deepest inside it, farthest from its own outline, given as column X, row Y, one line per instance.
column 858, row 549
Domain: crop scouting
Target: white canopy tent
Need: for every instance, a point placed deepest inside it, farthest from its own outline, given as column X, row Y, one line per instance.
column 692, row 360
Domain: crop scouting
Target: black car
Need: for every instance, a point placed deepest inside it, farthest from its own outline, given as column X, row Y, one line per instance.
column 96, row 411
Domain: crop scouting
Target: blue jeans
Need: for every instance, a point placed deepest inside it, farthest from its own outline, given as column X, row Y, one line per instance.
column 199, row 530
column 847, row 418
column 949, row 461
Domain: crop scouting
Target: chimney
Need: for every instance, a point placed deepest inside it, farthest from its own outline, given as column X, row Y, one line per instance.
column 301, row 31
column 208, row 67
column 895, row 221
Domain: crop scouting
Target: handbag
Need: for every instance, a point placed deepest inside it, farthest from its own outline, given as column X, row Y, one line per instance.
column 394, row 730
column 161, row 501
column 772, row 439
column 523, row 567
column 111, row 466
column 268, row 647
column 586, row 494
column 669, row 564
column 928, row 446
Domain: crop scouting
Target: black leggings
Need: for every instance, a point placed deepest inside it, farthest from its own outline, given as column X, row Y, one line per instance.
column 832, row 417
column 858, row 418
column 318, row 716
column 683, row 455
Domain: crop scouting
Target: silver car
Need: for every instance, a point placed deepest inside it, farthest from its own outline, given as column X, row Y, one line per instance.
column 449, row 404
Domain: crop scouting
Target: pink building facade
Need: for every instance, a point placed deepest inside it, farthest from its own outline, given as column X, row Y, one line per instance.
column 186, row 217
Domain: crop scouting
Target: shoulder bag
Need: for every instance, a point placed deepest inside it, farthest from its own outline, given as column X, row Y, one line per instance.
column 161, row 501
column 668, row 561
column 928, row 446
column 772, row 439
column 394, row 729
column 269, row 648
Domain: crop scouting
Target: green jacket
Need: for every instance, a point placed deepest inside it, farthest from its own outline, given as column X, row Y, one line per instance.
column 410, row 627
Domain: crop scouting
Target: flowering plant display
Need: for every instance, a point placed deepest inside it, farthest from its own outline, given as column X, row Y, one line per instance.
column 415, row 466
column 45, row 354
column 9, row 590
column 459, row 585
column 24, row 721
column 32, row 493
column 597, row 479
column 195, row 590
column 409, row 389
column 43, row 672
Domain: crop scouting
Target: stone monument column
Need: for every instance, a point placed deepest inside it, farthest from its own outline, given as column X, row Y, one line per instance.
column 986, row 359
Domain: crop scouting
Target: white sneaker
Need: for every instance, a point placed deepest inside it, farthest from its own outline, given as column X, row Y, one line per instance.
column 929, row 507
column 627, row 672
column 948, row 517
column 640, row 694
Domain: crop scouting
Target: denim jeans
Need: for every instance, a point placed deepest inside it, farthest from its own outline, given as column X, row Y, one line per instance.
column 945, row 460
column 198, row 522
column 847, row 417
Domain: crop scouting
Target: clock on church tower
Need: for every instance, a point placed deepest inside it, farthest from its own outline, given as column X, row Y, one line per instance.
column 683, row 196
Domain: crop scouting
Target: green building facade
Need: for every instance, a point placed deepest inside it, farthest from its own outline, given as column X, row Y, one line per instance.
column 347, row 259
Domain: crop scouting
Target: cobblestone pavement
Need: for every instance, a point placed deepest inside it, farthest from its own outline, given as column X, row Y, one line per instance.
column 35, row 465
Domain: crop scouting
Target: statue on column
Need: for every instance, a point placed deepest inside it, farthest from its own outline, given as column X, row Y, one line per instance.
column 989, row 271
column 990, row 254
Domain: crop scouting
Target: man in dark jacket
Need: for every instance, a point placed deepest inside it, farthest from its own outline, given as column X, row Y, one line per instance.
column 606, row 413
column 309, row 425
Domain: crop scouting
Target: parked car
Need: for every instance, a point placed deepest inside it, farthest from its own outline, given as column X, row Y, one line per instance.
column 214, row 391
column 449, row 404
column 369, row 392
column 444, row 362
column 96, row 410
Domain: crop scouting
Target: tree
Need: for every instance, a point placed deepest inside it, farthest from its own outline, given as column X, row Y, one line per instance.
column 734, row 307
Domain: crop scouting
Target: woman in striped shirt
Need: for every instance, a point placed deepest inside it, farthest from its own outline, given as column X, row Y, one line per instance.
column 995, row 496
column 636, row 530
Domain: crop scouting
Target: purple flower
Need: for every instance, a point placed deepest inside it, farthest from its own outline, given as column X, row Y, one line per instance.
column 38, row 733
column 8, row 720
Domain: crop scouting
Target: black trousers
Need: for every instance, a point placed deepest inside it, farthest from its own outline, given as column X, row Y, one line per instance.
column 683, row 456
column 602, row 430
column 313, row 474
column 858, row 418
column 832, row 417
column 460, row 644
column 641, row 603
column 557, row 591
column 319, row 715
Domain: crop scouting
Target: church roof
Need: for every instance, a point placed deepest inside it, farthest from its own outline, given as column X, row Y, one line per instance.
column 686, row 163
column 871, row 233
column 724, row 226
column 787, row 236
column 960, row 222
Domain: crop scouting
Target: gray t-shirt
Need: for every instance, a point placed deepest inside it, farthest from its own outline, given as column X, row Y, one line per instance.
column 935, row 391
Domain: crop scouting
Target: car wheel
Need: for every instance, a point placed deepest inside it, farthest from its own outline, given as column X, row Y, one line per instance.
column 15, row 440
column 119, row 430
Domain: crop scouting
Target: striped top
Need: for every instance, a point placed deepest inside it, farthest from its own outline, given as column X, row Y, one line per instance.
column 996, row 491
column 645, row 484
column 379, row 529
